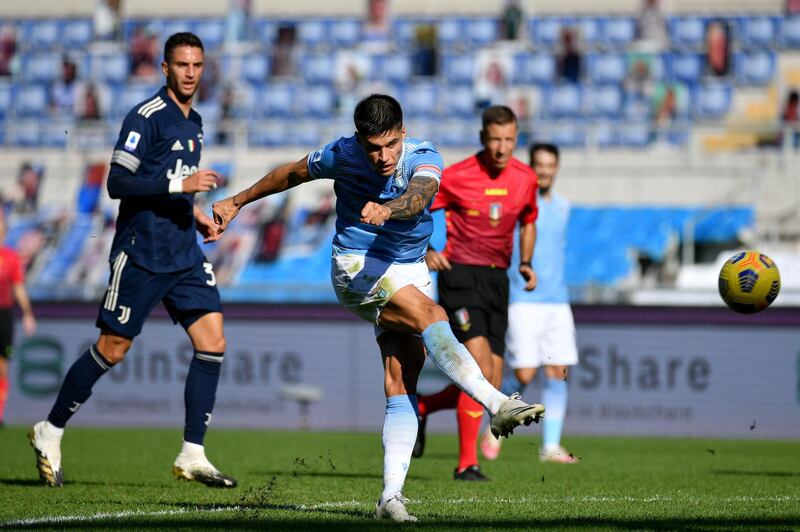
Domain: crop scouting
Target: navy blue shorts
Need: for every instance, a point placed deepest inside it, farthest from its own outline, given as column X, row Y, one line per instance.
column 133, row 292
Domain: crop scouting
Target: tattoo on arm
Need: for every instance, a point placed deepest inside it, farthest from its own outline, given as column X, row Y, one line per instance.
column 419, row 193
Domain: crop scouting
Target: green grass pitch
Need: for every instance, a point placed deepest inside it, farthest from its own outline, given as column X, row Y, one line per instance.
column 121, row 478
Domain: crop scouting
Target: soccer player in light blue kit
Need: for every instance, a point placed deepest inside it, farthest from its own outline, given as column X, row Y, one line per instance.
column 384, row 184
column 541, row 331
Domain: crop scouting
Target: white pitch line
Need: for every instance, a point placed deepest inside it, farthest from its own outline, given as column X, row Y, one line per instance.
column 64, row 519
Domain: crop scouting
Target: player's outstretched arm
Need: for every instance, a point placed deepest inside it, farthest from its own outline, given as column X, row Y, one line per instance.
column 282, row 178
column 420, row 191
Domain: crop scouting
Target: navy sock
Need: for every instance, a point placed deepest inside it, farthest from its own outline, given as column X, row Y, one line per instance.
column 77, row 385
column 200, row 393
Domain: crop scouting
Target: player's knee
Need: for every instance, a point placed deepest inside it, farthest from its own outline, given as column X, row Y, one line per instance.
column 216, row 345
column 114, row 349
column 431, row 314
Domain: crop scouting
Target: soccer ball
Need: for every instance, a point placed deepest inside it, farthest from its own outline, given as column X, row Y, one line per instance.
column 749, row 281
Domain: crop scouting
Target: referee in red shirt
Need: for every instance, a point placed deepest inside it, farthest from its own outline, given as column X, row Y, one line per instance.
column 484, row 198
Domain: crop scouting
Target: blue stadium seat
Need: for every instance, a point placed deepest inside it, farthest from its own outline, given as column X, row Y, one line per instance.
column 345, row 32
column 317, row 67
column 420, row 100
column 546, row 32
column 459, row 102
column 634, row 134
column 132, row 94
column 255, row 68
column 30, row 101
column 40, row 67
column 77, row 33
column 563, row 100
column 790, row 32
column 686, row 33
column 604, row 134
column 757, row 32
column 619, row 32
column 754, row 68
column 607, row 68
column 482, row 31
column 712, row 100
column 306, row 133
column 317, row 101
column 567, row 134
column 25, row 133
column 55, row 133
column 686, row 68
column 40, row 34
column 264, row 30
column 6, row 97
column 459, row 68
column 451, row 31
column 403, row 31
column 393, row 68
column 458, row 133
column 268, row 132
column 606, row 101
column 211, row 31
column 171, row 26
column 537, row 68
column 312, row 32
column 275, row 100
column 636, row 107
column 590, row 30
column 110, row 68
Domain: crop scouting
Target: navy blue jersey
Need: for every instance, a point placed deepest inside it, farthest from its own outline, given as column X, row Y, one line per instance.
column 157, row 143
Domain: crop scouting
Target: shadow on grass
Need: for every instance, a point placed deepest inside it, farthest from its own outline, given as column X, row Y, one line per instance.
column 737, row 473
column 33, row 482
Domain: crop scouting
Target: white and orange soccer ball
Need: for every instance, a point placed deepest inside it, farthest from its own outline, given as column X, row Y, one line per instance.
column 749, row 282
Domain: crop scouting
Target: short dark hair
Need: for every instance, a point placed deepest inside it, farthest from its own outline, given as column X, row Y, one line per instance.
column 377, row 114
column 543, row 146
column 183, row 38
column 498, row 114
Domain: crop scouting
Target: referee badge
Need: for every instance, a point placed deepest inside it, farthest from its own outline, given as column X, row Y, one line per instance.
column 462, row 319
column 495, row 213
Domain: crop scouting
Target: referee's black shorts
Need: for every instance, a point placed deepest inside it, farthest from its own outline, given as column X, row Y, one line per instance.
column 476, row 301
column 6, row 332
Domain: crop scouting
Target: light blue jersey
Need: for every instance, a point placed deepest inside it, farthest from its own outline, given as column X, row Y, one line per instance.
column 356, row 183
column 549, row 257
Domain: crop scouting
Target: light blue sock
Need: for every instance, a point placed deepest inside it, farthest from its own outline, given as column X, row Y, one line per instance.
column 554, row 397
column 399, row 435
column 511, row 384
column 455, row 361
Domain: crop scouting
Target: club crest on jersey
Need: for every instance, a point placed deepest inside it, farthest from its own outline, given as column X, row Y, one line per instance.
column 132, row 141
column 495, row 213
column 181, row 171
column 462, row 319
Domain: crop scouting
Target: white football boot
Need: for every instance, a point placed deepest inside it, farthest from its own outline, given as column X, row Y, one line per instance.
column 192, row 464
column 46, row 442
column 512, row 413
column 394, row 509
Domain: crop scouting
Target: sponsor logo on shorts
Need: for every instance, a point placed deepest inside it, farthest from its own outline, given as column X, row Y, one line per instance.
column 462, row 319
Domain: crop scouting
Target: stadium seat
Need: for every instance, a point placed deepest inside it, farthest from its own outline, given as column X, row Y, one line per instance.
column 317, row 101
column 393, row 68
column 790, row 32
column 686, row 33
column 482, row 31
column 458, row 133
column 109, row 68
column 537, row 68
column 420, row 100
column 459, row 102
column 55, row 133
column 40, row 67
column 619, row 32
column 754, row 68
column 450, row 31
column 605, row 101
column 634, row 134
column 132, row 94
column 76, row 34
column 570, row 134
column 757, row 32
column 459, row 68
column 563, row 100
column 39, row 34
column 312, row 32
column 607, row 68
column 546, row 32
column 403, row 31
column 345, row 32
column 712, row 100
column 590, row 30
column 317, row 67
column 171, row 26
column 6, row 98
column 636, row 107
column 25, row 133
column 686, row 68
column 30, row 101
column 255, row 68
column 275, row 100
column 211, row 31
column 264, row 30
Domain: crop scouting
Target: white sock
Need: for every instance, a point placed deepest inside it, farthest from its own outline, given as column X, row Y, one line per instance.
column 399, row 435
column 455, row 361
column 192, row 450
column 52, row 431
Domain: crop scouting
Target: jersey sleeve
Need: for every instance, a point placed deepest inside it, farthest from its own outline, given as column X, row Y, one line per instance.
column 136, row 136
column 426, row 162
column 322, row 163
column 531, row 210
column 17, row 274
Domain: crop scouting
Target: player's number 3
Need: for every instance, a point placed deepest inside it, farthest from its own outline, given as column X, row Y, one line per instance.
column 212, row 281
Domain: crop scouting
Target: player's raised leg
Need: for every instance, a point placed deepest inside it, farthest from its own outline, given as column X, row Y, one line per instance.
column 403, row 358
column 200, row 392
column 409, row 310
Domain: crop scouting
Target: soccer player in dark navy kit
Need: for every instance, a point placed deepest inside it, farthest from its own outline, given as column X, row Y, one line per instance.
column 155, row 257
